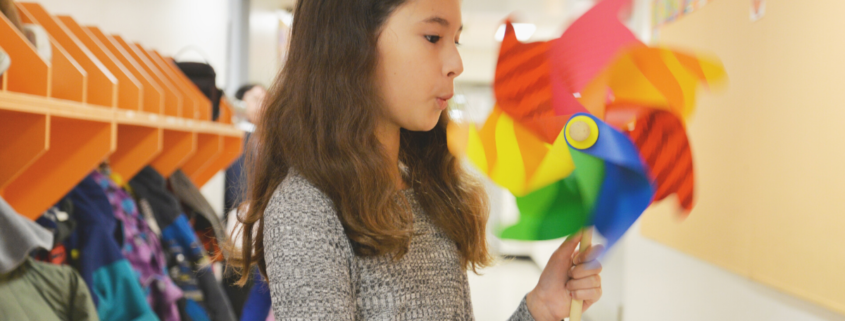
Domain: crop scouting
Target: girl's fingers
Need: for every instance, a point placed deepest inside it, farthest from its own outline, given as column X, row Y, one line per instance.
column 568, row 246
column 588, row 304
column 585, row 269
column 587, row 294
column 590, row 282
column 554, row 273
column 591, row 254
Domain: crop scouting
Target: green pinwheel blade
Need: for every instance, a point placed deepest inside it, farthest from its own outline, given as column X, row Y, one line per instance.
column 562, row 208
column 589, row 172
column 532, row 210
column 566, row 215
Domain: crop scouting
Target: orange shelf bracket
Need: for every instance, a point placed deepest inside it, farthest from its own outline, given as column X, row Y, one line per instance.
column 25, row 137
column 69, row 79
column 137, row 146
column 153, row 93
column 204, row 109
column 209, row 147
column 226, row 111
column 178, row 146
column 102, row 84
column 129, row 90
column 192, row 103
column 173, row 100
column 28, row 73
column 76, row 148
column 232, row 149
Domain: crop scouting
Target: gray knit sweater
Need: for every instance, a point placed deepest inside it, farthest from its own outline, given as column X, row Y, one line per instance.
column 314, row 274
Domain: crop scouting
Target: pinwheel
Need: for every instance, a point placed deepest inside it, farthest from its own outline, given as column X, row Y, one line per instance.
column 589, row 129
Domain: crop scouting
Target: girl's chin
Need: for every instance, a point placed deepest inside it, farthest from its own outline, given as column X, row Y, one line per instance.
column 425, row 126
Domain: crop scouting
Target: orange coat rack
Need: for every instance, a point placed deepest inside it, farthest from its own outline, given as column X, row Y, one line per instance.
column 99, row 98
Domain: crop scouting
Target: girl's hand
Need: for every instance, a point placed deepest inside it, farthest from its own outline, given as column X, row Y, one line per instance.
column 567, row 274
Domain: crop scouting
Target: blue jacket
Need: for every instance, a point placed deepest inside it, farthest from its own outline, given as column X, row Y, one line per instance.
column 95, row 252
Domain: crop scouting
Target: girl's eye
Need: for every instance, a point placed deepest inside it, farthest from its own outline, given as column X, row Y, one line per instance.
column 432, row 39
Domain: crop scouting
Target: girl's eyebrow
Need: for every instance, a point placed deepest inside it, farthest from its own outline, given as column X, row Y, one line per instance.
column 441, row 21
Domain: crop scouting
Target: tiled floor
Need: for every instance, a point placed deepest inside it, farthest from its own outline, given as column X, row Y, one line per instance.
column 498, row 290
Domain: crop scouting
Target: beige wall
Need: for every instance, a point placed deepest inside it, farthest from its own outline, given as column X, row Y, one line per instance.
column 768, row 150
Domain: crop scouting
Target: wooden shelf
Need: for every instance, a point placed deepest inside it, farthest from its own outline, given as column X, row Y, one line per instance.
column 209, row 147
column 140, row 139
column 26, row 136
column 49, row 145
column 78, row 138
column 100, row 98
column 26, row 103
column 178, row 147
column 232, row 149
column 226, row 112
column 77, row 146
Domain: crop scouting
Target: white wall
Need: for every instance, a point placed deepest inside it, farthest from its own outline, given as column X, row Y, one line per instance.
column 164, row 25
column 264, row 23
column 263, row 45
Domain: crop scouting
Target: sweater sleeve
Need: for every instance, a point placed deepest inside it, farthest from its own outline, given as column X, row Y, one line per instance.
column 307, row 256
column 522, row 313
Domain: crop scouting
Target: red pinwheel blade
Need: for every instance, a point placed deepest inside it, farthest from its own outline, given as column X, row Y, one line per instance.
column 522, row 85
column 662, row 140
column 585, row 49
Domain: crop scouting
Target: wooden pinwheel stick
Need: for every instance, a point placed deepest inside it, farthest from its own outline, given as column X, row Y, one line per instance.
column 580, row 131
column 577, row 306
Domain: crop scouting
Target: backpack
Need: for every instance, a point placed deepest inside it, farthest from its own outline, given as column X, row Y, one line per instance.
column 203, row 75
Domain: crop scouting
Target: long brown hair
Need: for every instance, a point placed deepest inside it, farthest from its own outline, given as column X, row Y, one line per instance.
column 320, row 118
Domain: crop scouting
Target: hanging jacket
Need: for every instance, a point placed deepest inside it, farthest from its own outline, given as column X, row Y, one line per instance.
column 193, row 200
column 258, row 305
column 59, row 220
column 206, row 223
column 235, row 181
column 142, row 249
column 182, row 245
column 18, row 237
column 95, row 252
column 233, row 186
column 37, row 291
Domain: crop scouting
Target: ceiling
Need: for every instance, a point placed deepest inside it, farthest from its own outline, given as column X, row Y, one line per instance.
column 483, row 17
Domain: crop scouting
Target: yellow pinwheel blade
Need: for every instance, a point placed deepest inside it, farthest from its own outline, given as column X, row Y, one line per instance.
column 511, row 155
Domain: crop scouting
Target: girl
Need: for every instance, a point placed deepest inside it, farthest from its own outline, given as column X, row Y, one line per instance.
column 357, row 211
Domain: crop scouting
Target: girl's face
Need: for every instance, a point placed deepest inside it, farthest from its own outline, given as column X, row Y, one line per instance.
column 418, row 62
column 253, row 99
